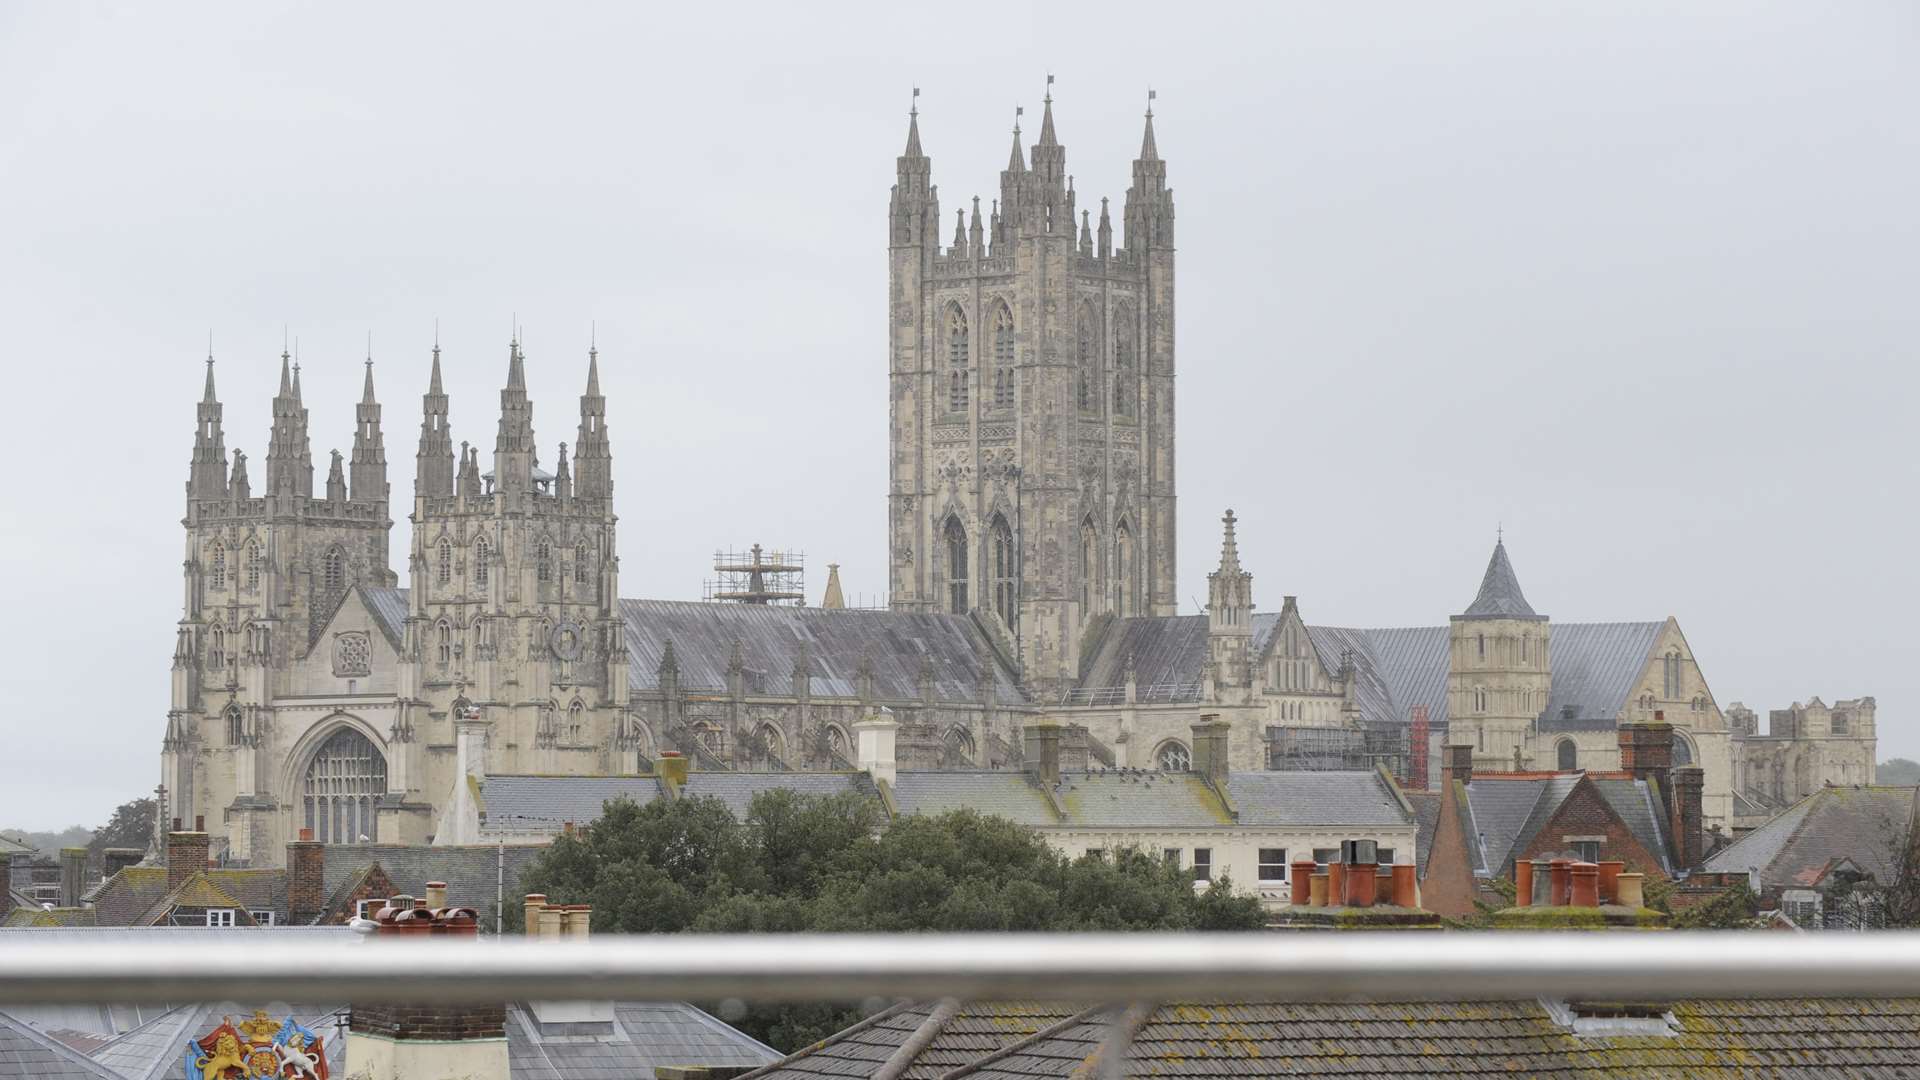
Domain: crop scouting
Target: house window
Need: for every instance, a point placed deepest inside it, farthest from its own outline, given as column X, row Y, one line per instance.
column 1202, row 864
column 1097, row 853
column 1586, row 850
column 364, row 909
column 1273, row 864
column 222, row 916
column 261, row 918
column 1170, row 856
column 1383, row 856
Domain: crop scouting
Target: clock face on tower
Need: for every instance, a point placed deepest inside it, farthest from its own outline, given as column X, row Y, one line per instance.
column 565, row 641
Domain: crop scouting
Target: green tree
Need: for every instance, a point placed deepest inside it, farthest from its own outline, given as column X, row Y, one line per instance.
column 131, row 826
column 1900, row 772
column 811, row 863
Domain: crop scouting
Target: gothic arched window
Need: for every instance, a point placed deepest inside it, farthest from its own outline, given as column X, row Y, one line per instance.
column 1173, row 756
column 333, row 569
column 1002, row 358
column 956, row 537
column 217, row 562
column 1682, row 750
column 1483, row 646
column 253, row 565
column 957, row 360
column 1672, row 675
column 345, row 780
column 482, row 551
column 1089, row 357
column 581, row 559
column 543, row 559
column 1124, row 355
column 217, row 648
column 443, row 633
column 957, row 749
column 1568, row 755
column 444, row 573
column 236, row 726
column 1479, row 699
column 1124, row 571
column 1089, row 565
column 1003, row 571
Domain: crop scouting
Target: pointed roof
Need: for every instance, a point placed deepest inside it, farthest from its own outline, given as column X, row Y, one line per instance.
column 1500, row 596
column 1149, row 151
column 366, row 394
column 1229, row 547
column 593, row 372
column 516, row 367
column 1047, row 137
column 1018, row 162
column 286, row 374
column 834, row 598
column 209, row 398
column 433, row 386
column 913, row 133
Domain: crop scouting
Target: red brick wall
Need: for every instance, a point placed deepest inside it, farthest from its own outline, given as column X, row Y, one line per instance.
column 1585, row 813
column 441, row 1023
column 374, row 887
column 306, row 880
column 1449, row 887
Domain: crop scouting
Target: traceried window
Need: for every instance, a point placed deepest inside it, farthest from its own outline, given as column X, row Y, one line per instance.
column 217, row 648
column 1124, row 571
column 1003, row 571
column 956, row 538
column 957, row 360
column 1125, row 353
column 333, row 569
column 1003, row 358
column 1089, row 361
column 345, row 780
column 443, row 634
column 352, row 654
column 482, row 553
column 236, row 725
column 444, row 572
column 1173, row 756
column 253, row 565
column 543, row 559
column 582, row 560
column 217, row 566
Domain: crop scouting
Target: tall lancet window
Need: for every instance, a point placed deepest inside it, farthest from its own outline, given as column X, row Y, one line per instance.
column 1089, row 566
column 444, row 572
column 253, row 565
column 956, row 537
column 217, row 562
column 1123, row 571
column 543, row 559
column 582, row 558
column 333, row 572
column 1125, row 354
column 482, row 553
column 346, row 778
column 957, row 360
column 1089, row 357
column 1003, row 571
column 1003, row 358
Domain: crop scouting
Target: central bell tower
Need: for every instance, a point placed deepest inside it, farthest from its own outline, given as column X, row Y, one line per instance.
column 1031, row 365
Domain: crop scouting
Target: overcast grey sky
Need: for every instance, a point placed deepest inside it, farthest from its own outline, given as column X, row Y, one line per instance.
column 1639, row 282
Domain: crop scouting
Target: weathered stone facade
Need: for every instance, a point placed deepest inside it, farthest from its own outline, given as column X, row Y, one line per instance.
column 1031, row 370
column 1804, row 749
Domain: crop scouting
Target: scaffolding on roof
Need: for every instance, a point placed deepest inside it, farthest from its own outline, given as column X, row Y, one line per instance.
column 1308, row 749
column 758, row 576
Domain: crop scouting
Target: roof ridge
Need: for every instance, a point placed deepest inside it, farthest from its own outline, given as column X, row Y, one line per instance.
column 55, row 1046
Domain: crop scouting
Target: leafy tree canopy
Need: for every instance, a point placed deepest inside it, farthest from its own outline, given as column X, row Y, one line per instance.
column 1901, row 772
column 814, row 863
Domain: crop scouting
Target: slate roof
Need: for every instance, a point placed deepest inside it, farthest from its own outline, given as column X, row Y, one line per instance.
column 548, row 802
column 389, row 607
column 1716, row 1039
column 1857, row 823
column 27, row 1052
column 645, row 1035
column 959, row 1035
column 1131, row 799
column 34, row 915
column 470, row 870
column 1332, row 797
column 152, row 1050
column 1595, row 666
column 836, row 641
column 1426, row 819
column 1166, row 650
column 1500, row 596
column 737, row 789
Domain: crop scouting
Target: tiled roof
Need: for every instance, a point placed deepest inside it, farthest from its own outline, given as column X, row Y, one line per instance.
column 1500, row 596
column 389, row 607
column 1595, row 666
column 251, row 890
column 1718, row 1039
column 835, row 641
column 152, row 1050
column 1633, row 801
column 1426, row 816
column 121, row 899
column 547, row 802
column 1859, row 824
column 473, row 872
column 35, row 916
column 737, row 789
column 957, row 1035
column 1315, row 798
column 645, row 1035
column 26, row 1052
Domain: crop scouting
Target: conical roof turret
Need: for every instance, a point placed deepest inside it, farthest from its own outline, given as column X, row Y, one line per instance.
column 1500, row 596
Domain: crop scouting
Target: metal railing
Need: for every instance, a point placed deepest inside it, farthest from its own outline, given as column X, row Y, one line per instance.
column 1297, row 966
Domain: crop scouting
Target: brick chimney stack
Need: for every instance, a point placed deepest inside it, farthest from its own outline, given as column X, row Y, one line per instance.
column 1210, row 749
column 306, row 878
column 73, row 871
column 186, row 856
column 426, row 1037
column 1456, row 763
column 1689, row 821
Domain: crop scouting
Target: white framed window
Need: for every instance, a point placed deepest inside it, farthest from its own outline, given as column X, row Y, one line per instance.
column 222, row 916
column 261, row 918
column 1202, row 864
column 1273, row 864
column 364, row 909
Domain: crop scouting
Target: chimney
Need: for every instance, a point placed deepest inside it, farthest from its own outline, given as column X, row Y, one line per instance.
column 73, row 871
column 186, row 856
column 1456, row 763
column 436, row 895
column 116, row 859
column 306, row 879
column 1689, row 831
column 1210, row 758
column 873, row 737
column 672, row 766
column 1042, row 757
column 1646, row 752
column 534, row 903
column 424, row 1036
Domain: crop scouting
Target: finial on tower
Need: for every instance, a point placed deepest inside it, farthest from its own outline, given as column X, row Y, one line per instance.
column 1148, row 150
column 913, row 126
column 1229, row 544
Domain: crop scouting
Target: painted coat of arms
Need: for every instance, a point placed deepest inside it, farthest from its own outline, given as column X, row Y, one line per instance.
column 256, row 1048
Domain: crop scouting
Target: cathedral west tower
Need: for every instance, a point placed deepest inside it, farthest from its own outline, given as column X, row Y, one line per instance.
column 1031, row 368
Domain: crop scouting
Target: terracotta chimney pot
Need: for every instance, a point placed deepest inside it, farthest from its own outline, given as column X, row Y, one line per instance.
column 1542, row 882
column 1561, row 882
column 1336, row 884
column 1300, row 881
column 436, row 895
column 1317, row 886
column 1522, row 883
column 1610, row 880
column 1363, row 884
column 1630, row 890
column 1586, row 885
column 1406, row 885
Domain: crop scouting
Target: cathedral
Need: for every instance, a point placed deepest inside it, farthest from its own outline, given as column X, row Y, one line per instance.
column 1031, row 558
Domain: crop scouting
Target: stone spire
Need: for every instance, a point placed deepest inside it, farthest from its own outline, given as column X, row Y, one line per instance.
column 1230, row 613
column 289, row 454
column 592, row 452
column 433, row 463
column 913, row 216
column 562, row 476
column 207, row 475
column 369, row 448
column 1500, row 596
column 1229, row 547
column 834, row 598
column 1047, row 137
column 239, row 487
column 913, row 128
column 513, row 447
column 336, row 481
column 1149, row 208
column 1149, row 151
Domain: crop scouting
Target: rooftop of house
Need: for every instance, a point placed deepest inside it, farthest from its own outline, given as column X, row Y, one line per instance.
column 1861, row 825
column 1506, row 811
